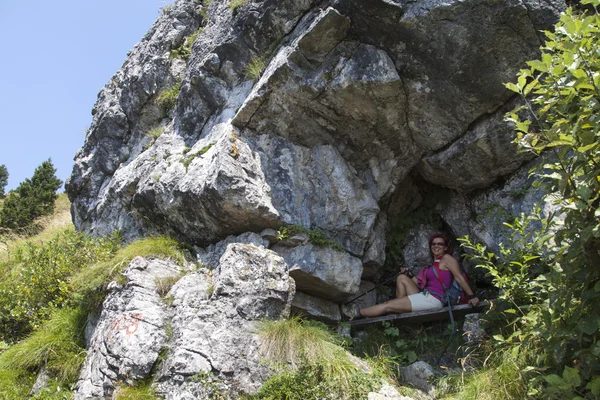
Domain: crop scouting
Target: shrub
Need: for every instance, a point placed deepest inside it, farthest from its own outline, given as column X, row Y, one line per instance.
column 554, row 311
column 34, row 282
column 168, row 97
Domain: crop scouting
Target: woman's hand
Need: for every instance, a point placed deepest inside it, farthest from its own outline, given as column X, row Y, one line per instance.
column 474, row 301
column 407, row 272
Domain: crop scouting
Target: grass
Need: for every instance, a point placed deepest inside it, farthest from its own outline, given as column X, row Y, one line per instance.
column 154, row 133
column 168, row 97
column 186, row 161
column 163, row 285
column 15, row 384
column 504, row 376
column 255, row 68
column 315, row 236
column 50, row 225
column 142, row 391
column 95, row 278
column 307, row 354
column 236, row 5
column 204, row 10
column 185, row 50
column 58, row 345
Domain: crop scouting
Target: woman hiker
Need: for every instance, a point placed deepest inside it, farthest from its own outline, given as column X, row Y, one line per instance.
column 423, row 292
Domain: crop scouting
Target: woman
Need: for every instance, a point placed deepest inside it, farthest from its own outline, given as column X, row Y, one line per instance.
column 409, row 294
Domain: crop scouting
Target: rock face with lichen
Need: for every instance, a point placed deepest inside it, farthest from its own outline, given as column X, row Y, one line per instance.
column 341, row 117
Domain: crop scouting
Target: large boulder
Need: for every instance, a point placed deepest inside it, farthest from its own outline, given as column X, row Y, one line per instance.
column 323, row 271
column 130, row 333
column 204, row 324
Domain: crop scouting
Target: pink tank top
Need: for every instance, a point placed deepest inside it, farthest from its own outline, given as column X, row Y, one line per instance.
column 434, row 284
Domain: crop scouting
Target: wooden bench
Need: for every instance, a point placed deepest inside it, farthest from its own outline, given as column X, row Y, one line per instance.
column 422, row 316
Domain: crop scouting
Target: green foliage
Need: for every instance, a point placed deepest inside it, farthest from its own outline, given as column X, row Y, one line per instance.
column 33, row 198
column 255, row 68
column 3, row 179
column 34, row 281
column 186, row 161
column 211, row 386
column 551, row 279
column 313, row 382
column 522, row 260
column 318, row 366
column 90, row 283
column 58, row 345
column 507, row 375
column 315, row 236
column 168, row 97
column 403, row 345
column 142, row 391
column 204, row 10
column 154, row 133
column 236, row 5
column 15, row 384
column 185, row 50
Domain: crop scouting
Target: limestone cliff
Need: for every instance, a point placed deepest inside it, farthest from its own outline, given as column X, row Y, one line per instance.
column 336, row 115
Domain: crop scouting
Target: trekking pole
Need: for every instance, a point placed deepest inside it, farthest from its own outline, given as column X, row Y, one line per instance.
column 370, row 290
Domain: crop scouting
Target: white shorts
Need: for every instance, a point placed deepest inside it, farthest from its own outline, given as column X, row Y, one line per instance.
column 422, row 302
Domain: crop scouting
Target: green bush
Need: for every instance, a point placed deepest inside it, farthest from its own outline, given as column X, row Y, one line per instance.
column 34, row 281
column 551, row 281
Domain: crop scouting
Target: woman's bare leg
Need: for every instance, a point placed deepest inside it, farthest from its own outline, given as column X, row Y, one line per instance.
column 405, row 286
column 401, row 305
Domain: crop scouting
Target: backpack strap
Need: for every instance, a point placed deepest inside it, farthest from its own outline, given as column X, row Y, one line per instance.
column 438, row 274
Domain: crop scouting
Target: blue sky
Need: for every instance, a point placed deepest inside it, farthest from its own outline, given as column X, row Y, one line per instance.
column 56, row 56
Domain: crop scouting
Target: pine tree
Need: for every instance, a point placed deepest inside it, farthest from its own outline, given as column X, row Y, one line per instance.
column 3, row 180
column 33, row 198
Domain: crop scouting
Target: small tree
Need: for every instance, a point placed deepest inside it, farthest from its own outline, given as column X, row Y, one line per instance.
column 3, row 180
column 562, row 92
column 33, row 198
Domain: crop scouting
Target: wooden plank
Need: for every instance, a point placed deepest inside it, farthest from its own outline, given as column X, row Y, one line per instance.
column 423, row 316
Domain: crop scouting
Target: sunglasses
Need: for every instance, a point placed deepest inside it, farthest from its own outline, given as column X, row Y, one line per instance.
column 438, row 244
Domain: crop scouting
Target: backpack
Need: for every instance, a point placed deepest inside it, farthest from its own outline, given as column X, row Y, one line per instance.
column 454, row 293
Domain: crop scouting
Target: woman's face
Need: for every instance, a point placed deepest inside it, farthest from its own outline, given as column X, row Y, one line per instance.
column 438, row 247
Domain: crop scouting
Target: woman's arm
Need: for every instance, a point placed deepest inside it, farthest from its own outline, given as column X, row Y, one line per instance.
column 452, row 265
